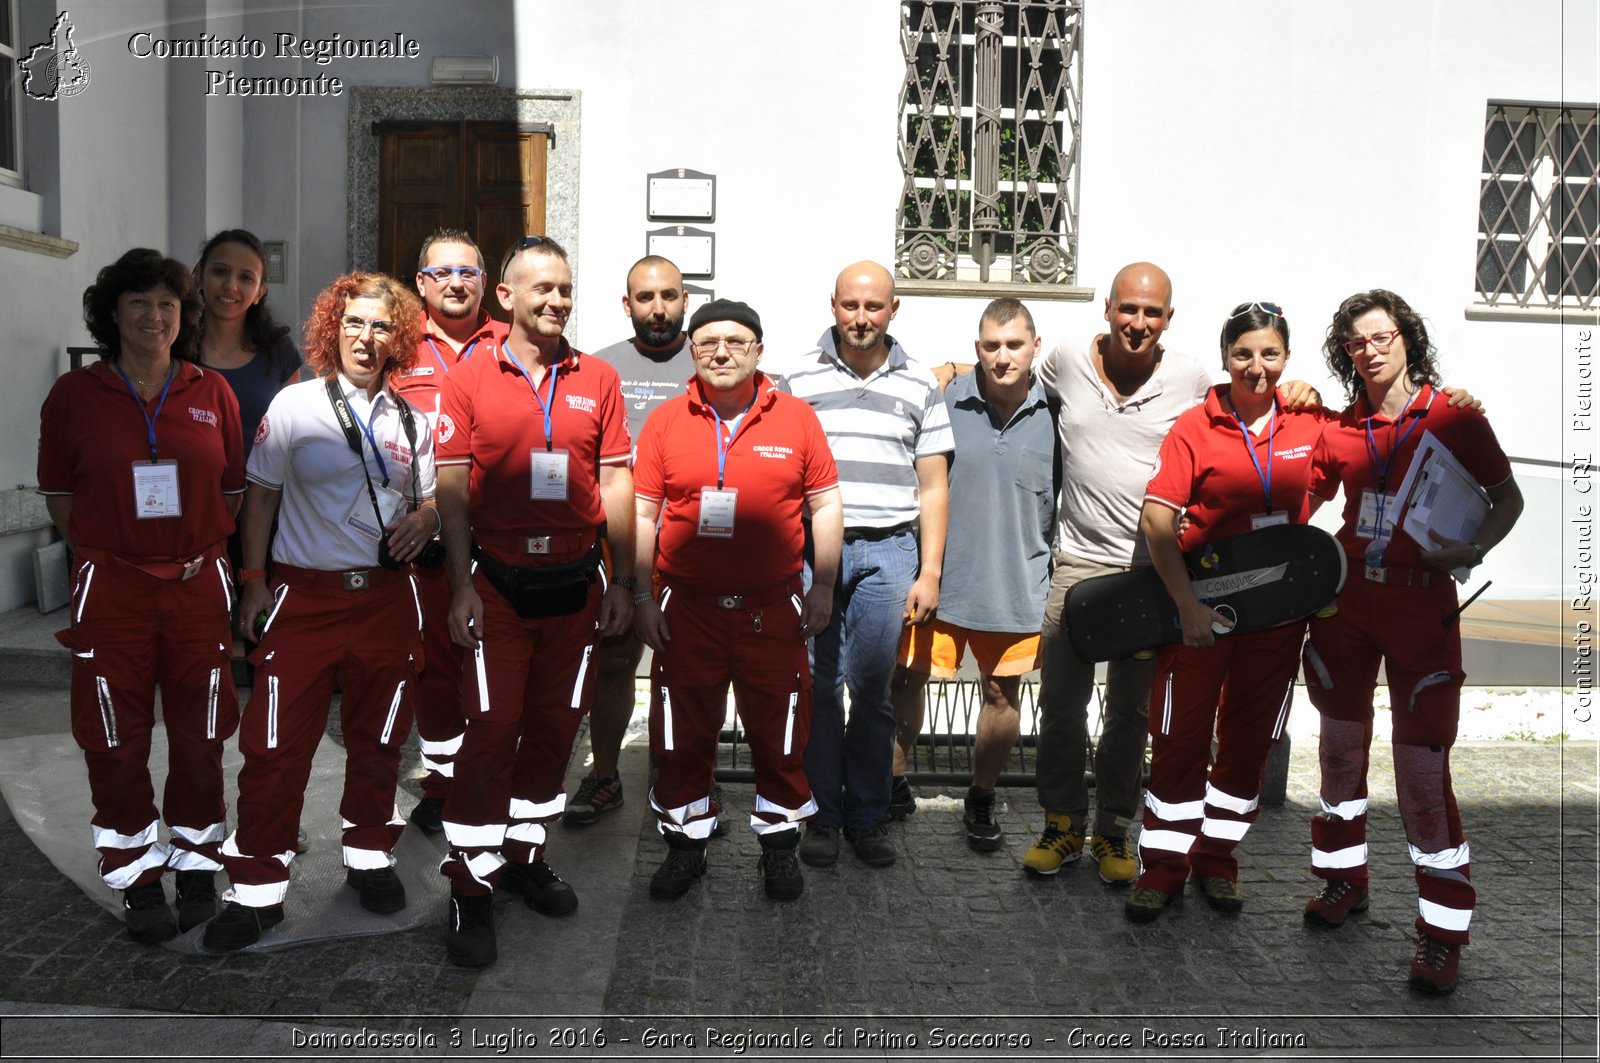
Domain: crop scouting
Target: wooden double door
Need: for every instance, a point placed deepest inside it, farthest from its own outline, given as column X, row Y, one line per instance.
column 487, row 178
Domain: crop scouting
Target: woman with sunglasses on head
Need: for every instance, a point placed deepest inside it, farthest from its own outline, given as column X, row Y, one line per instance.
column 142, row 467
column 346, row 466
column 1398, row 608
column 238, row 336
column 1241, row 460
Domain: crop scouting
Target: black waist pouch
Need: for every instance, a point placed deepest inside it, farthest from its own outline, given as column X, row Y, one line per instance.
column 544, row 591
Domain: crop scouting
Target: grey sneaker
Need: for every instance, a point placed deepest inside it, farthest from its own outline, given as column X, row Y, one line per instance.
column 820, row 846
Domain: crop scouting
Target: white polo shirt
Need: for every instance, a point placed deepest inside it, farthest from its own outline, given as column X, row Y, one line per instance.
column 301, row 450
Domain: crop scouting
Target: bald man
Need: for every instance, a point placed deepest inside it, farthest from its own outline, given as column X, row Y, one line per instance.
column 1119, row 394
column 890, row 433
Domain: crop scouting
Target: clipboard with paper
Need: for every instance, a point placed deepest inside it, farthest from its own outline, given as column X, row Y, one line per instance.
column 1441, row 495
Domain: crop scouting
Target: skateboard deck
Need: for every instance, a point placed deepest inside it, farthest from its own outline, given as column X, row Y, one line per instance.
column 1260, row 579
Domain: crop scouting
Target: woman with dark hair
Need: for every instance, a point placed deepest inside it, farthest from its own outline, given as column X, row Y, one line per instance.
column 1240, row 460
column 141, row 463
column 238, row 336
column 1398, row 609
column 346, row 466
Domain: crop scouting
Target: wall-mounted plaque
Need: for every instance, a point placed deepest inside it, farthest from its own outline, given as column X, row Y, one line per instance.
column 694, row 297
column 692, row 250
column 687, row 195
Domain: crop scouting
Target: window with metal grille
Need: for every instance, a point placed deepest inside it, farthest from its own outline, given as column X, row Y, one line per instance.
column 989, row 122
column 1539, row 208
column 10, row 97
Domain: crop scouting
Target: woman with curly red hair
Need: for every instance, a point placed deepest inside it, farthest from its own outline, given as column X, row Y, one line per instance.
column 346, row 467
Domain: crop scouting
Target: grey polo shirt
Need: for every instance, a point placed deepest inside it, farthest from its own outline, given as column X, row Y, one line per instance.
column 1002, row 512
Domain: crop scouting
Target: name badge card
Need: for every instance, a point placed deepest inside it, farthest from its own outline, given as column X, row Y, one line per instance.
column 155, row 489
column 549, row 475
column 1367, row 523
column 1267, row 520
column 716, row 511
column 360, row 516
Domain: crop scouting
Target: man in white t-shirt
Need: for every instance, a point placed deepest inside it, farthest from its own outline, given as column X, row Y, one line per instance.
column 1118, row 397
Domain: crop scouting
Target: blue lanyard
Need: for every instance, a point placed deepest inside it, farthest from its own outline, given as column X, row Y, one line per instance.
column 465, row 353
column 546, row 404
column 366, row 427
column 722, row 446
column 1386, row 465
column 149, row 421
column 1250, row 447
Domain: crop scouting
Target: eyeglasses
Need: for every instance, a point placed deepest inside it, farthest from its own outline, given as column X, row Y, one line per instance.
column 735, row 347
column 355, row 326
column 1271, row 309
column 442, row 274
column 526, row 242
column 1380, row 340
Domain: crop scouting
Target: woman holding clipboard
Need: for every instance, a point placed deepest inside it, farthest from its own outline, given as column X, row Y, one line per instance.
column 1398, row 609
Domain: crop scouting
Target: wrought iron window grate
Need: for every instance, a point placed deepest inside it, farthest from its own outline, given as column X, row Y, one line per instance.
column 1539, row 208
column 989, row 130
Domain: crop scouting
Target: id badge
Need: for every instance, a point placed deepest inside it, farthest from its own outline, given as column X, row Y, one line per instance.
column 360, row 515
column 1267, row 520
column 155, row 489
column 548, row 481
column 1367, row 522
column 716, row 511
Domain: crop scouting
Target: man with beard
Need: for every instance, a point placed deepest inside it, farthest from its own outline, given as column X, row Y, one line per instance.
column 450, row 279
column 890, row 433
column 654, row 366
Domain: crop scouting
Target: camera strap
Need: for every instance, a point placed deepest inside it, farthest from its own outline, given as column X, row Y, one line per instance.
column 352, row 435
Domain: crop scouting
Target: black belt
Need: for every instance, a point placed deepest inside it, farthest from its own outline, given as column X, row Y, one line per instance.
column 873, row 535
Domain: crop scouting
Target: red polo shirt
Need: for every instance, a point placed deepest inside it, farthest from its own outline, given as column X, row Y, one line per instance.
column 491, row 420
column 91, row 431
column 1205, row 469
column 1344, row 457
column 776, row 459
column 435, row 358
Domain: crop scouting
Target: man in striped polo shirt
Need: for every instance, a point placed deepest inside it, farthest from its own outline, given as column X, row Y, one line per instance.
column 890, row 434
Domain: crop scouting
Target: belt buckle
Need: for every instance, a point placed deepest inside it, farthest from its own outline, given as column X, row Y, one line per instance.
column 191, row 567
column 537, row 544
column 730, row 601
column 1377, row 573
column 355, row 581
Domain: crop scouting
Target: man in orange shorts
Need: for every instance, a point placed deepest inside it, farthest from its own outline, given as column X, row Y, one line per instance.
column 992, row 593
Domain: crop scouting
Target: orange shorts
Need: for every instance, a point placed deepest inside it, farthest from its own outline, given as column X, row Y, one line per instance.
column 937, row 649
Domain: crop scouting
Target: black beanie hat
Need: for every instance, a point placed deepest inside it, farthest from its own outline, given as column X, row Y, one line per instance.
column 726, row 310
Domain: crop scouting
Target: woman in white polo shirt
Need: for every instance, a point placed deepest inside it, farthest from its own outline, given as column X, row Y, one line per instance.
column 346, row 466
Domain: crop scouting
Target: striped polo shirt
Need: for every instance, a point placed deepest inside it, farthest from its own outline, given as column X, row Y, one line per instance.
column 876, row 427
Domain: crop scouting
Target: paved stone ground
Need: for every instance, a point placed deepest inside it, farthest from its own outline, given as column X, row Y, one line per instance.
column 946, row 939
column 944, row 933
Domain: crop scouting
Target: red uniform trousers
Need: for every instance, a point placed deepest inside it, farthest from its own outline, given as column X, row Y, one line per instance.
column 1240, row 690
column 132, row 632
column 1403, row 627
column 523, row 695
column 438, row 688
column 756, row 645
column 371, row 639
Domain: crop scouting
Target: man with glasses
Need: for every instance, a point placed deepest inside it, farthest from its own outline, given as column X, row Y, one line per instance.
column 653, row 364
column 534, row 468
column 729, row 469
column 455, row 326
column 889, row 429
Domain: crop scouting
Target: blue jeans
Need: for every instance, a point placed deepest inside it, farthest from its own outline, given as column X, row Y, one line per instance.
column 849, row 763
